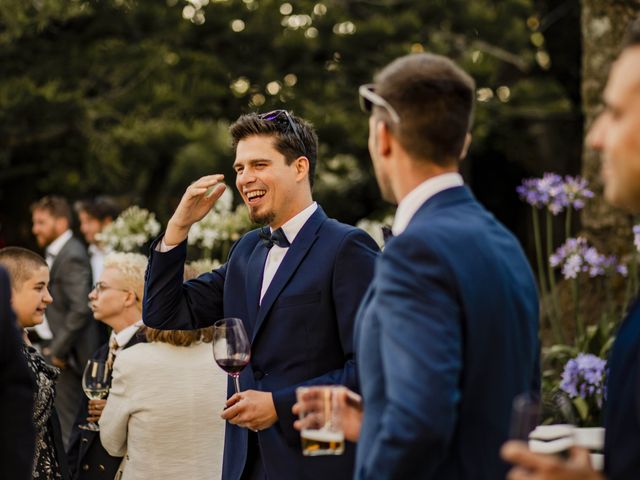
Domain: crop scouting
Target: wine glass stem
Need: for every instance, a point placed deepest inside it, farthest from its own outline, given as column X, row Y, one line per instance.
column 236, row 382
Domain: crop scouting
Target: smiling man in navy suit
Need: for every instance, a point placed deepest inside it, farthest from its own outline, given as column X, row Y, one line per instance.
column 447, row 334
column 296, row 285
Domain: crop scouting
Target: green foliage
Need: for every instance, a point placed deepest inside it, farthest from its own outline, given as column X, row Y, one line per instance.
column 132, row 97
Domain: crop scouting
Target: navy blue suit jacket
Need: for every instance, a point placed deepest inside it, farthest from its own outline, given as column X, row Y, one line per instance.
column 87, row 458
column 622, row 410
column 302, row 333
column 446, row 337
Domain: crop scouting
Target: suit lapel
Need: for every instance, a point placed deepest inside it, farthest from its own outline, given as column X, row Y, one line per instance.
column 296, row 253
column 255, row 271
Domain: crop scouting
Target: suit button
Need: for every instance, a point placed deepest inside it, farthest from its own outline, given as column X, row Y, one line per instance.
column 258, row 375
column 85, row 467
column 85, row 440
column 101, row 468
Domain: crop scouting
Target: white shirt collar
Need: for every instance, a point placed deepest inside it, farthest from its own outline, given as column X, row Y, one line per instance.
column 423, row 192
column 126, row 334
column 55, row 246
column 294, row 225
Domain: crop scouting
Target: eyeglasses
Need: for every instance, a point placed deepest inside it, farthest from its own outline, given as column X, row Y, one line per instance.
column 101, row 287
column 369, row 97
column 278, row 115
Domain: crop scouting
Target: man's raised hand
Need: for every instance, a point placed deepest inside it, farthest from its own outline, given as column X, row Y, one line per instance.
column 196, row 202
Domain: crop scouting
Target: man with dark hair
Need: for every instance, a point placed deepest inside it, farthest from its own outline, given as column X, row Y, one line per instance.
column 615, row 133
column 75, row 335
column 17, row 433
column 447, row 334
column 295, row 283
column 94, row 215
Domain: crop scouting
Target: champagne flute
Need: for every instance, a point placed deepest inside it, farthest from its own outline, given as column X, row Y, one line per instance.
column 95, row 383
column 231, row 347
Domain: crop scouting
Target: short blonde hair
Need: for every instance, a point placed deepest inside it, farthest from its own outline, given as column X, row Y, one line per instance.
column 132, row 267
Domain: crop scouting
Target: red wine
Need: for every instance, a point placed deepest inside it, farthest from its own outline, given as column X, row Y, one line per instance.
column 232, row 366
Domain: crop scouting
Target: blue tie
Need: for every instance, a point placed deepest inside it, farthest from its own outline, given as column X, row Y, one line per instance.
column 277, row 237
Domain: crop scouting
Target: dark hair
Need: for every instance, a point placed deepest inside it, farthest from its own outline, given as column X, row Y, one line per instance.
column 99, row 208
column 290, row 145
column 20, row 263
column 632, row 38
column 57, row 206
column 434, row 99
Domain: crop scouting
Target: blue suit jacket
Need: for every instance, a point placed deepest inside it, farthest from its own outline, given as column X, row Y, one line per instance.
column 446, row 337
column 302, row 333
column 622, row 412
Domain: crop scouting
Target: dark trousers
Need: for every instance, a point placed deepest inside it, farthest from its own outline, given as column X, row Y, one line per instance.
column 253, row 468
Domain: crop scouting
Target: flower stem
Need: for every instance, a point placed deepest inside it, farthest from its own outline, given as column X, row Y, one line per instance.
column 567, row 224
column 555, row 317
column 576, row 306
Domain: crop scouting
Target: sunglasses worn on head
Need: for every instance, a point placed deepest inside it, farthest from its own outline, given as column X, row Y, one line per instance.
column 276, row 115
column 369, row 97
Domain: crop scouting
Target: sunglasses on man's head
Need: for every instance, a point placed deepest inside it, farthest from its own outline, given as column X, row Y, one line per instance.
column 279, row 115
column 368, row 98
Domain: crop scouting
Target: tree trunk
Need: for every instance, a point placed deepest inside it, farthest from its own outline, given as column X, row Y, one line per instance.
column 604, row 24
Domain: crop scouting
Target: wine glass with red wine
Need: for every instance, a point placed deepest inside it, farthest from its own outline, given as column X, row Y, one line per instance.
column 231, row 347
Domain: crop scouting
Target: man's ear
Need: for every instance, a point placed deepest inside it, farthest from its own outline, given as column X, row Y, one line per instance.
column 383, row 136
column 301, row 165
column 465, row 147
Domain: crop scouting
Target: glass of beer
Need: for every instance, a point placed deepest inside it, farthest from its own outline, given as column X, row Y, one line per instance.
column 321, row 432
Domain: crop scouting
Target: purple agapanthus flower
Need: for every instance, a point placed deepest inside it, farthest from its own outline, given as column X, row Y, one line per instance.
column 576, row 191
column 576, row 256
column 554, row 192
column 584, row 376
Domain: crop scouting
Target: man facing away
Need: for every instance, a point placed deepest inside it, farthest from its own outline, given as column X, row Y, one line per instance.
column 296, row 289
column 615, row 133
column 116, row 301
column 75, row 335
column 447, row 334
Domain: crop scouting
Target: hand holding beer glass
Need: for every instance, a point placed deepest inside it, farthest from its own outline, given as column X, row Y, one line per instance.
column 320, row 411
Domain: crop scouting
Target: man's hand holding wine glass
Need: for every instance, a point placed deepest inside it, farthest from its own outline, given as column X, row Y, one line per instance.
column 251, row 409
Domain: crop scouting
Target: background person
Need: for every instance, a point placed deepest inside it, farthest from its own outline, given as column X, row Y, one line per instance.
column 116, row 301
column 30, row 298
column 163, row 410
column 75, row 335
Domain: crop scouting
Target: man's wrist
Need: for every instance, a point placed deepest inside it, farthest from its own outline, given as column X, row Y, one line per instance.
column 175, row 234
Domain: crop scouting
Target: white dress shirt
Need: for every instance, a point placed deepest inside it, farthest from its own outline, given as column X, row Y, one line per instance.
column 97, row 255
column 126, row 334
column 51, row 252
column 276, row 253
column 410, row 204
column 54, row 247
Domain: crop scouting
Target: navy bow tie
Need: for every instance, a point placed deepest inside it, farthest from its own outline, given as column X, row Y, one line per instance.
column 277, row 237
column 387, row 233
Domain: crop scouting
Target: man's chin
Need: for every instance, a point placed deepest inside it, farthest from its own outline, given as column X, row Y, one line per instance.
column 261, row 218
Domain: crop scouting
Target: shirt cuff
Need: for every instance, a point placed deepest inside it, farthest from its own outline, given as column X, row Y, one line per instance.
column 162, row 246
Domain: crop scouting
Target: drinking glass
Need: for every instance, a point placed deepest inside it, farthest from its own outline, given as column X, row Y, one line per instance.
column 321, row 430
column 231, row 347
column 96, row 380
